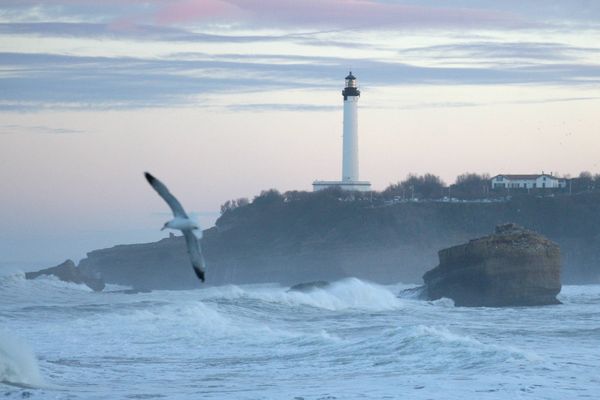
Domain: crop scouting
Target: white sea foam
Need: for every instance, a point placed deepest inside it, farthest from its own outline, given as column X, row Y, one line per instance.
column 18, row 364
column 43, row 283
column 351, row 340
column 12, row 278
column 443, row 302
column 443, row 339
column 347, row 294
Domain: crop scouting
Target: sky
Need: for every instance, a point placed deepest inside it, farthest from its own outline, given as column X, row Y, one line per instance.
column 221, row 99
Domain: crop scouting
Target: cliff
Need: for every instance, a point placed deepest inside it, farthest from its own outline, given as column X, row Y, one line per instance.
column 304, row 237
column 160, row 265
column 512, row 267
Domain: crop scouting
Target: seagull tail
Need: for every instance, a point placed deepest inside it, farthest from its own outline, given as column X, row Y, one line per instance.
column 199, row 273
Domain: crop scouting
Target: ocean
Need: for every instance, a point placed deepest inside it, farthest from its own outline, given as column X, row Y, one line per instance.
column 351, row 340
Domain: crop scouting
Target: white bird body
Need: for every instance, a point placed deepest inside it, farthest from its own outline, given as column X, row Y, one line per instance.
column 181, row 222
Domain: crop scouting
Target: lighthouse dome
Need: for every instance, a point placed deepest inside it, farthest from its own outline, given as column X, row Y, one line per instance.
column 350, row 89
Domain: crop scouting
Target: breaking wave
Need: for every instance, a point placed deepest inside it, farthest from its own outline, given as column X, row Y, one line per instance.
column 18, row 364
column 457, row 350
column 347, row 294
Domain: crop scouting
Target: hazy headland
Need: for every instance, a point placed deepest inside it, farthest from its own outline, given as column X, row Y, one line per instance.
column 383, row 236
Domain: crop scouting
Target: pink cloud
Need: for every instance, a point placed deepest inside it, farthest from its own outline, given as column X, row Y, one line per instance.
column 192, row 10
column 303, row 13
column 339, row 13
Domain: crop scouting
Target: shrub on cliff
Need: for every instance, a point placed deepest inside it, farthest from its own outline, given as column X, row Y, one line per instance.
column 230, row 205
column 471, row 186
column 426, row 186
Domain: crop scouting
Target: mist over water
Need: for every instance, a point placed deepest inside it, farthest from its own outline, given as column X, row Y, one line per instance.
column 351, row 340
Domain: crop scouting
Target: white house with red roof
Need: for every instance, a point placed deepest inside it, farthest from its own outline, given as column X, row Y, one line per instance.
column 541, row 181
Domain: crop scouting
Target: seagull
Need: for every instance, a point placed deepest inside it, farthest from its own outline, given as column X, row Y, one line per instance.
column 181, row 222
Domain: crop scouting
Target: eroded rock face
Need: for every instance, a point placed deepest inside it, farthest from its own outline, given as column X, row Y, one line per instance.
column 68, row 272
column 512, row 267
column 162, row 265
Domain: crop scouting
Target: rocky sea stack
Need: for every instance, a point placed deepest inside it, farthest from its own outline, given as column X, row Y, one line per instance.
column 512, row 267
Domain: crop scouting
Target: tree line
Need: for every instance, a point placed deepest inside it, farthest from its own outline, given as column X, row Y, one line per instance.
column 467, row 186
column 476, row 186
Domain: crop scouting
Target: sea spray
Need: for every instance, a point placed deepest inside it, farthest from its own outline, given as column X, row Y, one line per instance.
column 18, row 364
column 346, row 294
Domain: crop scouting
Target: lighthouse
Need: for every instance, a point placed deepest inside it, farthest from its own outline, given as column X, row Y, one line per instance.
column 350, row 152
column 350, row 177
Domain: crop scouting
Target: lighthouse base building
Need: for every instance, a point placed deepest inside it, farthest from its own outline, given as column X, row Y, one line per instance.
column 350, row 180
column 361, row 186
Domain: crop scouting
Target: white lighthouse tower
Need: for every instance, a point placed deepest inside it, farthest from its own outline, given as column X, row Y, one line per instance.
column 350, row 178
column 350, row 155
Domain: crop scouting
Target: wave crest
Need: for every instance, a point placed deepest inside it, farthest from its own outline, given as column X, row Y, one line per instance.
column 18, row 364
column 464, row 349
column 347, row 294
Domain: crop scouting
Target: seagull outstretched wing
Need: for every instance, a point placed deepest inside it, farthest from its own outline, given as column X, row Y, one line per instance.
column 194, row 251
column 163, row 192
column 193, row 247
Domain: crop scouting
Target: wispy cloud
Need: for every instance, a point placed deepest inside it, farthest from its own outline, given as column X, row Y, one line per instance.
column 97, row 82
column 476, row 52
column 283, row 13
column 367, row 14
column 340, row 13
column 138, row 32
column 554, row 100
column 437, row 105
column 146, row 33
column 208, row 58
column 36, row 129
column 282, row 107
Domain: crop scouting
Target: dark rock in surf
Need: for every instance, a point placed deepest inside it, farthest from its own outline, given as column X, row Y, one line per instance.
column 309, row 286
column 417, row 293
column 512, row 267
column 68, row 272
column 131, row 291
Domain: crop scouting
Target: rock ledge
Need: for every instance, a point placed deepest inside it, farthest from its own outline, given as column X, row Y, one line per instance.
column 68, row 272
